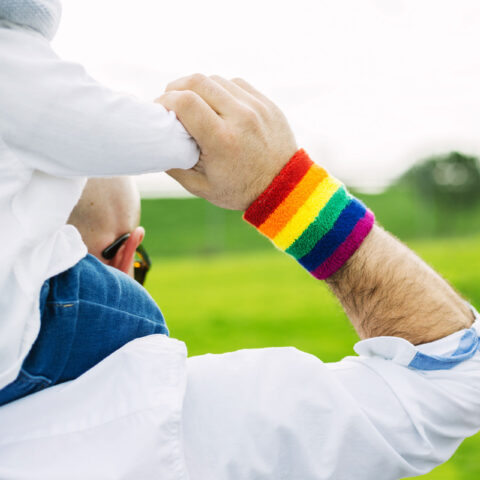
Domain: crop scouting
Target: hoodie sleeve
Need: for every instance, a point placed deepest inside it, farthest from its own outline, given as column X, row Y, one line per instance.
column 65, row 123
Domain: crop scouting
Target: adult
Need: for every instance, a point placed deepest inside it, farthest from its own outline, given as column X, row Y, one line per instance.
column 399, row 408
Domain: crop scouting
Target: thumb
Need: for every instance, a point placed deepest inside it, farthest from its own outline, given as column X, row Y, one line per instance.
column 193, row 181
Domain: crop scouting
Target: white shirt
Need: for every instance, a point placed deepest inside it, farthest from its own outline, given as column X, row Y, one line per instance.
column 148, row 412
column 57, row 126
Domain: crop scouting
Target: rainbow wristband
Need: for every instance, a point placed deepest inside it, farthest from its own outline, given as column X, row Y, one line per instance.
column 310, row 215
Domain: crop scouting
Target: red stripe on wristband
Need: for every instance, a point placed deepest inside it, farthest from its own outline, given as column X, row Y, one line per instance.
column 280, row 187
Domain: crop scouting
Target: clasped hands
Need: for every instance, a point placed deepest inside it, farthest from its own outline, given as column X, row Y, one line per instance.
column 244, row 138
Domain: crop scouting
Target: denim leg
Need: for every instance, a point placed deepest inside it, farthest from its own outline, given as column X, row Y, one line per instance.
column 87, row 313
column 111, row 312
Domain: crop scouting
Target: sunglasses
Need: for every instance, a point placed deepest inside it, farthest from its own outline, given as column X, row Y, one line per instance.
column 141, row 263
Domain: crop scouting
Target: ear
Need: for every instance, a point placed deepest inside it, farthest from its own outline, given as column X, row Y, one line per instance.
column 124, row 258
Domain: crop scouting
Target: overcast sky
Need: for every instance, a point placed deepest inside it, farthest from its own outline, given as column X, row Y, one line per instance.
column 369, row 86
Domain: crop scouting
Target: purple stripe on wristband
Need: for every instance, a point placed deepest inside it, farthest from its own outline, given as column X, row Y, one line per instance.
column 347, row 248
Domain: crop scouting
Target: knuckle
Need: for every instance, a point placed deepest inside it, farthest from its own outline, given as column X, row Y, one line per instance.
column 238, row 81
column 196, row 79
column 262, row 110
column 217, row 78
column 186, row 98
column 250, row 117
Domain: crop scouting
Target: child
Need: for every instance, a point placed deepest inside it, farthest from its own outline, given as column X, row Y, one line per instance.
column 57, row 127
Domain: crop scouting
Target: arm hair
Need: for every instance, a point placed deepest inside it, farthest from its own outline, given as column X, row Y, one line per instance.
column 386, row 289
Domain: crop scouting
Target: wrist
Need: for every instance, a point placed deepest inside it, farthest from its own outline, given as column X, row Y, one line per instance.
column 310, row 215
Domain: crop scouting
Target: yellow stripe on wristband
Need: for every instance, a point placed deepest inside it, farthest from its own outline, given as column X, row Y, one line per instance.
column 295, row 199
column 307, row 213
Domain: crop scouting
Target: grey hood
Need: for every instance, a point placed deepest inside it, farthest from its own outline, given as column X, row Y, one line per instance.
column 42, row 16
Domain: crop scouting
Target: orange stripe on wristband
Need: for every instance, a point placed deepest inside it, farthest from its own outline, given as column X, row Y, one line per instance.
column 295, row 199
column 307, row 212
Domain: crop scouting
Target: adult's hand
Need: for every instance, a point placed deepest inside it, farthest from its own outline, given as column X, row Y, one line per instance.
column 244, row 138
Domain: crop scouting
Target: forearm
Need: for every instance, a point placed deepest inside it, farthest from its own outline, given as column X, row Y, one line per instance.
column 386, row 289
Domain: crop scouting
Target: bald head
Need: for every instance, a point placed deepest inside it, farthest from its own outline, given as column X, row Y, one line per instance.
column 107, row 209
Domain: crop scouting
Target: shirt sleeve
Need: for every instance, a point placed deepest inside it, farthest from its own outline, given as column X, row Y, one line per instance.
column 119, row 420
column 65, row 123
column 262, row 414
column 281, row 413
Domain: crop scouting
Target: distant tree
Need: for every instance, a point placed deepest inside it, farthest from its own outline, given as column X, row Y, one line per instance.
column 451, row 180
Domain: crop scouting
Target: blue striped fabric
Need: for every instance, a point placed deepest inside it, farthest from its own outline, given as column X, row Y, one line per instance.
column 469, row 344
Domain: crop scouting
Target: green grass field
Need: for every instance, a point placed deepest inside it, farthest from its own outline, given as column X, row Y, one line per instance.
column 223, row 287
column 179, row 227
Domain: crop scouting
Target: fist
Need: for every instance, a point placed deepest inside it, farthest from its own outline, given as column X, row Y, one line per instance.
column 244, row 139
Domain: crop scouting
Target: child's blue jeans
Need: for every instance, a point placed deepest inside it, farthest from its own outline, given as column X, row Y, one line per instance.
column 87, row 313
